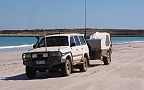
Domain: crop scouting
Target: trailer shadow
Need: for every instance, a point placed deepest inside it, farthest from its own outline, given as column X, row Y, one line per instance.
column 94, row 65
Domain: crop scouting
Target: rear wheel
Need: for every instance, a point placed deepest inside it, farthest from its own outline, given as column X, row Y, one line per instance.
column 30, row 72
column 66, row 68
column 84, row 65
column 107, row 60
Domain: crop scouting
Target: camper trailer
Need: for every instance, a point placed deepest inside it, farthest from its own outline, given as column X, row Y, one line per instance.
column 100, row 47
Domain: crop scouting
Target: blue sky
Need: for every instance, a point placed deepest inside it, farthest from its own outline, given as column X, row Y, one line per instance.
column 32, row 14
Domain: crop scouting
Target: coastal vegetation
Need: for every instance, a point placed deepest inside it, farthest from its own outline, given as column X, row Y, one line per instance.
column 40, row 32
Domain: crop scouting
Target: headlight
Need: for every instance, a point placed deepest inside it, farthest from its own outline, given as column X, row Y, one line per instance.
column 37, row 55
column 56, row 54
column 26, row 56
column 34, row 55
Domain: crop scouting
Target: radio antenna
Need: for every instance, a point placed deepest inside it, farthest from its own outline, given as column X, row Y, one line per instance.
column 45, row 36
column 85, row 18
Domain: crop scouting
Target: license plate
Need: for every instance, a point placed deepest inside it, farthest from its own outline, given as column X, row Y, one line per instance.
column 40, row 62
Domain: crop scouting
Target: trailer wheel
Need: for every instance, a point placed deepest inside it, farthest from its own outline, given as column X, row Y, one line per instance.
column 83, row 67
column 30, row 72
column 107, row 60
column 66, row 68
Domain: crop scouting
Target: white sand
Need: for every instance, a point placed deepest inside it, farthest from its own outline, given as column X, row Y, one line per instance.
column 126, row 72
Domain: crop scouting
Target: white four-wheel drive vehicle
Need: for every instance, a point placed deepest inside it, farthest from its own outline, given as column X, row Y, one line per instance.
column 61, row 52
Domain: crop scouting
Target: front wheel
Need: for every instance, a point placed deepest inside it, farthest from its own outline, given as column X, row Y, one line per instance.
column 107, row 60
column 66, row 68
column 84, row 65
column 30, row 72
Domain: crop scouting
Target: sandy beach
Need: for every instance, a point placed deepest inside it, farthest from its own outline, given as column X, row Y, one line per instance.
column 126, row 72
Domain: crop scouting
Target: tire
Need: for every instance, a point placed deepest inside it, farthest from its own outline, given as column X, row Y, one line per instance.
column 107, row 60
column 83, row 67
column 30, row 72
column 66, row 68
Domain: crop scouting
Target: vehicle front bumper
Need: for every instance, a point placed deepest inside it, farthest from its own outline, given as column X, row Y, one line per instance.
column 46, row 62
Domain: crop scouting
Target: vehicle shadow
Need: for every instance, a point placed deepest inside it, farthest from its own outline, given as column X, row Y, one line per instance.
column 17, row 77
column 45, row 75
column 42, row 75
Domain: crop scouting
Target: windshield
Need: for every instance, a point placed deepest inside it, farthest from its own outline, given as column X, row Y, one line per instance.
column 54, row 41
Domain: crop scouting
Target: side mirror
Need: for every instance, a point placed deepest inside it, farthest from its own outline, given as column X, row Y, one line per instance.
column 34, row 46
column 72, row 44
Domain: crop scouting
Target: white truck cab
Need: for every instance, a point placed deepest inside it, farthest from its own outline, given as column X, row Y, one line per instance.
column 61, row 52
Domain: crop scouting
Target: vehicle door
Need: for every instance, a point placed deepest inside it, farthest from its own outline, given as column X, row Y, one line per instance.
column 84, row 47
column 75, row 48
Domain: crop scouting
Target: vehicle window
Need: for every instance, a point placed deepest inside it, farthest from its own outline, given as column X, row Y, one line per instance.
column 54, row 41
column 41, row 43
column 72, row 40
column 77, row 40
column 82, row 40
column 107, row 40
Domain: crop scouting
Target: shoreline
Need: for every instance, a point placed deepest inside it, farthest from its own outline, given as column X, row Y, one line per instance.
column 27, row 47
column 14, row 54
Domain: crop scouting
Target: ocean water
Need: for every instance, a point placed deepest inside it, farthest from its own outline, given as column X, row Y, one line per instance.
column 127, row 40
column 16, row 43
column 26, row 43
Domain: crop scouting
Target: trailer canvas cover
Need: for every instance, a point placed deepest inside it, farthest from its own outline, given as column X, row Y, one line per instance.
column 104, row 37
